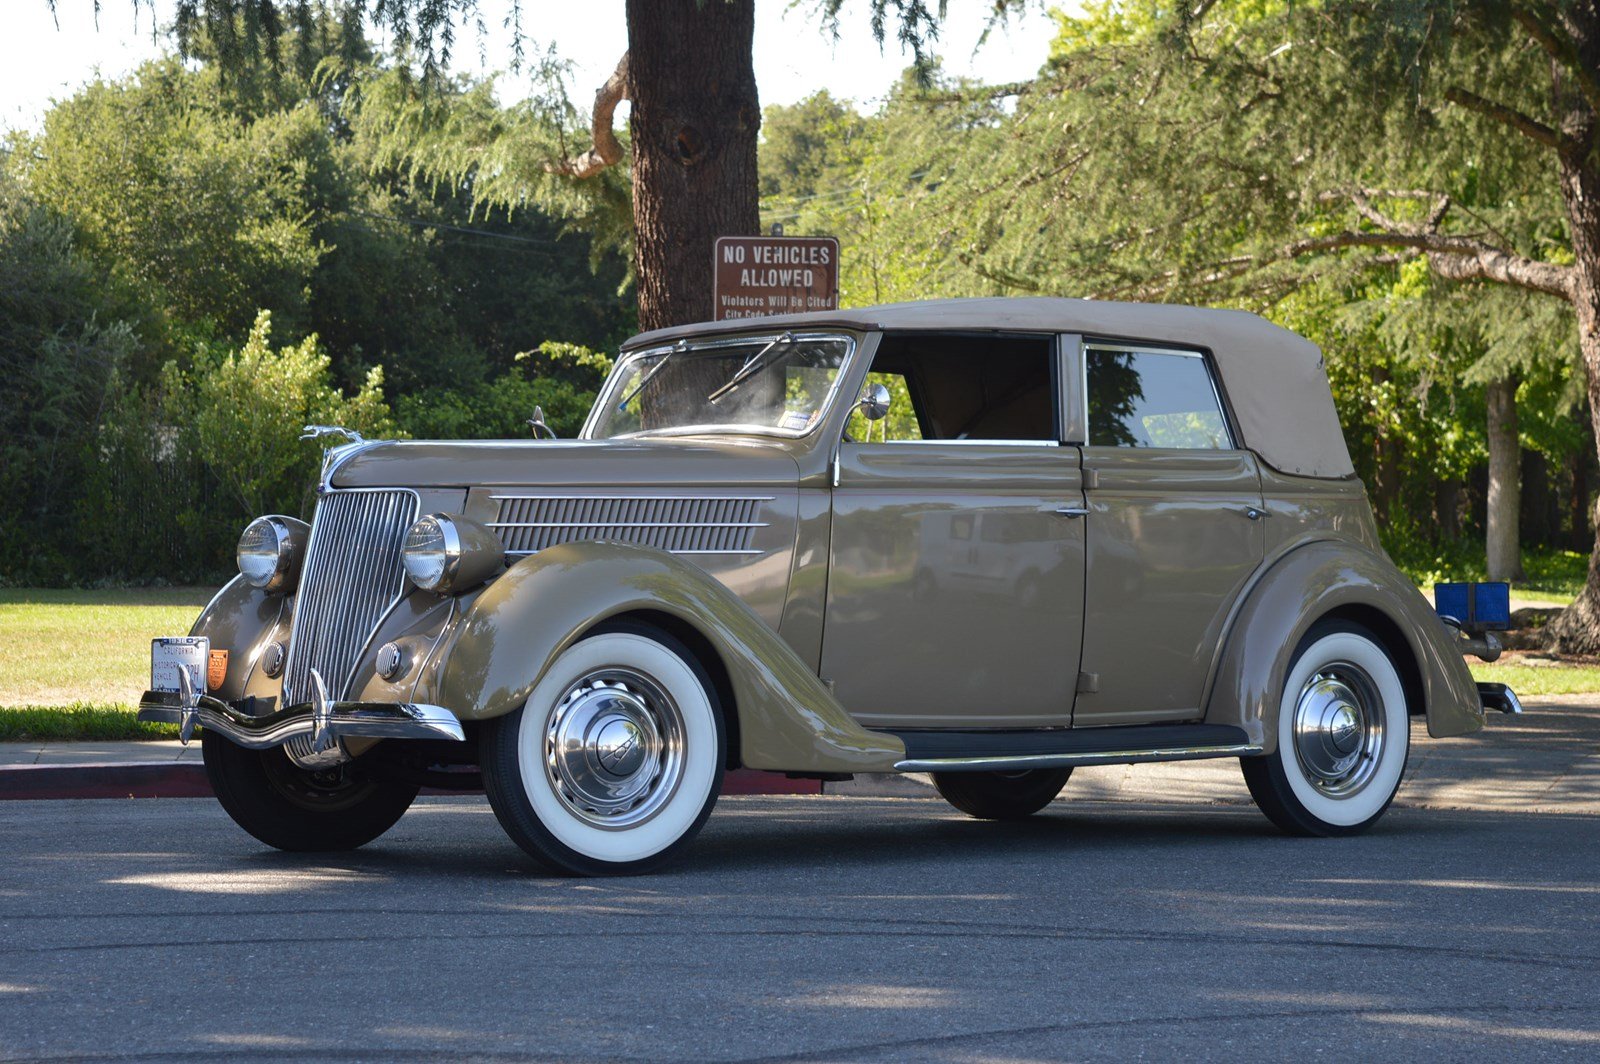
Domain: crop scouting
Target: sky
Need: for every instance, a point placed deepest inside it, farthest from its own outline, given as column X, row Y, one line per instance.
column 794, row 56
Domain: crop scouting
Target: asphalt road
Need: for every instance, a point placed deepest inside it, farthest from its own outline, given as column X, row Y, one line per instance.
column 804, row 929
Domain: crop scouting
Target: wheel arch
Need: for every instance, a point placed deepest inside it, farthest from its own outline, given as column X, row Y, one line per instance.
column 781, row 715
column 1341, row 580
column 705, row 652
column 1393, row 640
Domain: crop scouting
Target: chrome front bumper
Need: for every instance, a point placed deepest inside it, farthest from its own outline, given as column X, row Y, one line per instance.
column 321, row 723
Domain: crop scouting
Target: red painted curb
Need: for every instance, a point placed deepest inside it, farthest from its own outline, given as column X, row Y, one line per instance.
column 177, row 780
column 147, row 780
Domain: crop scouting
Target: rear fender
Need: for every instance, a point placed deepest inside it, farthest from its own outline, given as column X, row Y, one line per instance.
column 1323, row 579
column 501, row 649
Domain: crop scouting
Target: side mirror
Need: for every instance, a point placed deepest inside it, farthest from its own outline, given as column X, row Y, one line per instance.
column 874, row 403
column 536, row 422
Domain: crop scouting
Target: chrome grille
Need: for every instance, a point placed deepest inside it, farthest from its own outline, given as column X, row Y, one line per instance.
column 350, row 579
column 682, row 524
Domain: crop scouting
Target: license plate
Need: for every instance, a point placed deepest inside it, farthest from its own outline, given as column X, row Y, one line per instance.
column 169, row 655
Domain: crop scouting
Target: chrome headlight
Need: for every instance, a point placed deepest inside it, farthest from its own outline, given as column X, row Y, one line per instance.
column 270, row 551
column 444, row 553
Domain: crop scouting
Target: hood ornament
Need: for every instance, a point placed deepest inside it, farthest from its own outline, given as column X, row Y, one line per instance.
column 352, row 441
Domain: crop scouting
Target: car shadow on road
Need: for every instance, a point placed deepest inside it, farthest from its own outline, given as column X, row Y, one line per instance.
column 756, row 835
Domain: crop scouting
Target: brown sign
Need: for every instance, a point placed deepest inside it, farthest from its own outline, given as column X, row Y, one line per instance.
column 761, row 275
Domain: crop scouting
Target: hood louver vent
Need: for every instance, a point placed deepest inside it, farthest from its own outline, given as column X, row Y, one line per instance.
column 681, row 524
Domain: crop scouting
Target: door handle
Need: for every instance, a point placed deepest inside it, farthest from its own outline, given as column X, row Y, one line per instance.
column 1073, row 511
column 1255, row 513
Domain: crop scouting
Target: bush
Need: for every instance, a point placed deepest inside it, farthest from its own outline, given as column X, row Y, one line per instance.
column 499, row 408
column 243, row 416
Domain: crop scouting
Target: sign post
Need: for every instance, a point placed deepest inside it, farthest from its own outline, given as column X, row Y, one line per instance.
column 760, row 275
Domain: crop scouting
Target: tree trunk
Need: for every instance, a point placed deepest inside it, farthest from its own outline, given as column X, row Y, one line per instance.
column 1505, row 482
column 694, row 124
column 1576, row 630
column 1447, row 510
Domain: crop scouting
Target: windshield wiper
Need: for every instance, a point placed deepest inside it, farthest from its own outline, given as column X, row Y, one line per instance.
column 622, row 407
column 757, row 362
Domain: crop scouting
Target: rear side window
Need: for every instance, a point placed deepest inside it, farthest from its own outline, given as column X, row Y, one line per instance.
column 1144, row 398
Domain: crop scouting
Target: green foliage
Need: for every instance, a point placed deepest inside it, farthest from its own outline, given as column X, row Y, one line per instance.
column 244, row 414
column 144, row 417
column 60, row 349
column 205, row 214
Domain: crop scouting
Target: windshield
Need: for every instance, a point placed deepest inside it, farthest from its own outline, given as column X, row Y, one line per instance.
column 778, row 385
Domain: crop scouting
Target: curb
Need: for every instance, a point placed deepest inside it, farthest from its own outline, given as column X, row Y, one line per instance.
column 166, row 779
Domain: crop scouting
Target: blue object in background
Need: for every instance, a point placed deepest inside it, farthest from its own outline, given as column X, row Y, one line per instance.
column 1481, row 607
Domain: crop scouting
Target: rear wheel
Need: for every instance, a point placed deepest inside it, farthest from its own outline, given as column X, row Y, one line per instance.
column 1343, row 735
column 1001, row 795
column 336, row 808
column 615, row 760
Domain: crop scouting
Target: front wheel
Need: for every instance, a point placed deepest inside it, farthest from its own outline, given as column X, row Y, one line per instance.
column 1001, row 795
column 615, row 760
column 336, row 808
column 1343, row 736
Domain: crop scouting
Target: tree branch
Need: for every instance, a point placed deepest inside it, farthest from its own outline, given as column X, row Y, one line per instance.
column 1562, row 51
column 1529, row 127
column 606, row 151
column 1455, row 258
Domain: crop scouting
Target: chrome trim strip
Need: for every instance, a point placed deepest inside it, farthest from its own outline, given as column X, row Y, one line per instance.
column 632, row 498
column 625, row 524
column 522, row 553
column 366, row 720
column 1068, row 760
column 964, row 443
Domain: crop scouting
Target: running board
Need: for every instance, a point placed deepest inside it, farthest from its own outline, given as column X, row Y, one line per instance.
column 1017, row 751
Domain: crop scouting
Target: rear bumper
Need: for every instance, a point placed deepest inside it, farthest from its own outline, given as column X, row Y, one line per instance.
column 1498, row 696
column 337, row 720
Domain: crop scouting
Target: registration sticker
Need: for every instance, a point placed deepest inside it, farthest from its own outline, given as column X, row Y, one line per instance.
column 216, row 670
column 170, row 654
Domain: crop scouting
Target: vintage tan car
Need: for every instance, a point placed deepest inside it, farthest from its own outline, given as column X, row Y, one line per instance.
column 992, row 540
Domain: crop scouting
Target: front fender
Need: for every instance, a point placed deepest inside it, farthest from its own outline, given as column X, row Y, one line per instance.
column 239, row 619
column 543, row 604
column 1307, row 584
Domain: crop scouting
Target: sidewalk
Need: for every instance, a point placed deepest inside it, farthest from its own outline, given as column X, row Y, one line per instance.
column 1547, row 760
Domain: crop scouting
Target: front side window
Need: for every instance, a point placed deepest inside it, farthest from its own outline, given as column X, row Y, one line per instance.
column 1143, row 398
column 774, row 385
column 971, row 388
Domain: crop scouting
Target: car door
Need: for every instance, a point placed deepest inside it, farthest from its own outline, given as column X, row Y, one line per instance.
column 1174, row 531
column 955, row 589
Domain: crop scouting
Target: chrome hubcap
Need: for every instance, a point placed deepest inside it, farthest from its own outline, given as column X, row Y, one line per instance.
column 1339, row 729
column 614, row 748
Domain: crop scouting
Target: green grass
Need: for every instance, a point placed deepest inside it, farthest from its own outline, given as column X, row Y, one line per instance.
column 69, row 648
column 83, row 722
column 1528, row 680
column 1550, row 577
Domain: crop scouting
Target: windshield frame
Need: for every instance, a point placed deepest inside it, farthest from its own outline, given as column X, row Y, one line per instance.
column 610, row 390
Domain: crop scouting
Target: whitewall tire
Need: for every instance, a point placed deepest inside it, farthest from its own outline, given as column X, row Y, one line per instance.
column 615, row 760
column 1343, row 735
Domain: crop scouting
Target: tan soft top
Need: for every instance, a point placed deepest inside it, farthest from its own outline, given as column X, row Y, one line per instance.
column 1274, row 378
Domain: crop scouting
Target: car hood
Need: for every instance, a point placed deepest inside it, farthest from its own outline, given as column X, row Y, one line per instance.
column 646, row 462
